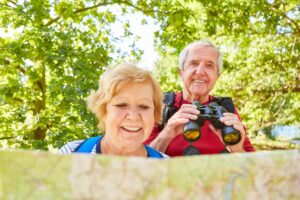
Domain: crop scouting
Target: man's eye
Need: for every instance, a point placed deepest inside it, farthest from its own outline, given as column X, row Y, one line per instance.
column 210, row 65
column 194, row 63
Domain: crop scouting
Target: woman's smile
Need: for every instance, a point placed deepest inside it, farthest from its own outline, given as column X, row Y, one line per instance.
column 131, row 129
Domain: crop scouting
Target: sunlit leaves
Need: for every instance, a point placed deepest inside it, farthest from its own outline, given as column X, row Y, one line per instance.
column 260, row 41
column 57, row 53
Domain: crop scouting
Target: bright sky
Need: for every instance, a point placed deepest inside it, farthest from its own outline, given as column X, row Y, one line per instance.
column 147, row 44
column 146, row 41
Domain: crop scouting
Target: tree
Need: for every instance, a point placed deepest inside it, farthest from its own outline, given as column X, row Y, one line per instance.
column 60, row 48
column 260, row 42
column 49, row 66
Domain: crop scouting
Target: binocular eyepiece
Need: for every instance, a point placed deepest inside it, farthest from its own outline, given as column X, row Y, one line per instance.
column 212, row 112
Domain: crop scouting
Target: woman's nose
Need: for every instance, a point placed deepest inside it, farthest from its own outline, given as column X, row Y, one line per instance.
column 133, row 113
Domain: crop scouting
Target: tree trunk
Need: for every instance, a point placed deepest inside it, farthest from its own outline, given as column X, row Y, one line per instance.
column 40, row 104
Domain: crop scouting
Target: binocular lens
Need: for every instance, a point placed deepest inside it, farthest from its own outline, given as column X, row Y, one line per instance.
column 232, row 138
column 191, row 135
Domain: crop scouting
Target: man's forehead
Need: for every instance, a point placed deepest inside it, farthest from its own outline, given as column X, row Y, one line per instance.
column 205, row 58
column 201, row 58
column 203, row 53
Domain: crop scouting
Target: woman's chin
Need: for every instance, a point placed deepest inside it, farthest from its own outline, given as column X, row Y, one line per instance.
column 132, row 140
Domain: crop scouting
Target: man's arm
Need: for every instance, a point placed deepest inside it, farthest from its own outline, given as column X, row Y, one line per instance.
column 161, row 140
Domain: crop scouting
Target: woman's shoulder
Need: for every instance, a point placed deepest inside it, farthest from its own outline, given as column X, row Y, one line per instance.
column 70, row 147
column 164, row 155
column 153, row 153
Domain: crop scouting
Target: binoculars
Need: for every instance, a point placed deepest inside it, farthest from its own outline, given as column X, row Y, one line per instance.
column 212, row 112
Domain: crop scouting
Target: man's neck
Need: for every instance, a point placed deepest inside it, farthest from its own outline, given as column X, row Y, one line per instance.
column 190, row 97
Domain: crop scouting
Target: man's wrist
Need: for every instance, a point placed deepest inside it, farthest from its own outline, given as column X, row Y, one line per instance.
column 232, row 149
column 228, row 149
column 162, row 141
column 165, row 136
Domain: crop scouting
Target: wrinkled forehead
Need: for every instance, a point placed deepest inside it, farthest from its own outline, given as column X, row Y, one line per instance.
column 130, row 83
column 206, row 53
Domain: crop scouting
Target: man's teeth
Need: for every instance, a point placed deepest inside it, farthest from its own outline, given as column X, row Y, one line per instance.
column 199, row 81
column 132, row 128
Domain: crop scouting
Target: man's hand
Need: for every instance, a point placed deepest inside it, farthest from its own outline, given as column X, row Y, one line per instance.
column 176, row 123
column 175, row 126
column 231, row 119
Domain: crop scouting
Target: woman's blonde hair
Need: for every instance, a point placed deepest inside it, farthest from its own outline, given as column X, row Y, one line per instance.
column 110, row 83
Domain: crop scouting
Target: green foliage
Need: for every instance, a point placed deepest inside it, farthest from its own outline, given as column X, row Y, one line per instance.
column 167, row 73
column 50, row 64
column 261, row 46
column 59, row 49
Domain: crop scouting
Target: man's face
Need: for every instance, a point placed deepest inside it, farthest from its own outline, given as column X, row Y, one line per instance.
column 200, row 73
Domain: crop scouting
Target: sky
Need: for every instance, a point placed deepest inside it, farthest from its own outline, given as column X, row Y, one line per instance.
column 146, row 41
column 147, row 44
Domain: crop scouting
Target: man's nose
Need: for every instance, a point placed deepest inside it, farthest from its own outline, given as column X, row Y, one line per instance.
column 200, row 68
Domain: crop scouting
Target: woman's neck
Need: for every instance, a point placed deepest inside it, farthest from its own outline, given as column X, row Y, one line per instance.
column 110, row 148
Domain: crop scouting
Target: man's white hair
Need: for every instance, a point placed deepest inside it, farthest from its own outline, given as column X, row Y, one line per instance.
column 201, row 43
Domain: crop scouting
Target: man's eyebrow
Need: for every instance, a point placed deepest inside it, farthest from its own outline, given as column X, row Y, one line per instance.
column 210, row 61
column 199, row 59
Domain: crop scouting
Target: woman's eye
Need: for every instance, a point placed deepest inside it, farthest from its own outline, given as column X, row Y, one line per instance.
column 144, row 106
column 121, row 105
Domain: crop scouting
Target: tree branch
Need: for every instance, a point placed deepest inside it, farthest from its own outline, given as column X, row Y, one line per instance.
column 13, row 2
column 19, row 67
column 142, row 10
column 292, row 21
column 104, row 4
column 6, row 5
column 79, row 11
column 7, row 138
column 18, row 99
column 274, row 8
column 91, row 7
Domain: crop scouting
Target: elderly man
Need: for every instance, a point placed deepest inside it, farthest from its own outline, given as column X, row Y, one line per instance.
column 200, row 64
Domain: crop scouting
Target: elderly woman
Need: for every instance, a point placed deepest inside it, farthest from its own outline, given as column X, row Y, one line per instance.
column 127, row 104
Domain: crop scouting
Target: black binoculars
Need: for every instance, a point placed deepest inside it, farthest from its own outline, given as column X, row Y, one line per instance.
column 212, row 112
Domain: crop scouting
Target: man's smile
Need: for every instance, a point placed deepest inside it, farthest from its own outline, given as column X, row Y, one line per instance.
column 199, row 81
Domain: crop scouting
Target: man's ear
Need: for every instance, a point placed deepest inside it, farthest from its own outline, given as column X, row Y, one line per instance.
column 219, row 74
column 179, row 73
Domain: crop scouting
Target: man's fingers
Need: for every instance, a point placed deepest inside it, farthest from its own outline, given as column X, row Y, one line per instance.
column 187, row 116
column 230, row 115
column 231, row 122
column 231, row 119
column 176, row 122
column 189, row 109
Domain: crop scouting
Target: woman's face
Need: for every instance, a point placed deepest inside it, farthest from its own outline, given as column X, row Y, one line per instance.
column 130, row 115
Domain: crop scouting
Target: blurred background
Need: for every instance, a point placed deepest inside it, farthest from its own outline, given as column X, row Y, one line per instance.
column 52, row 53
